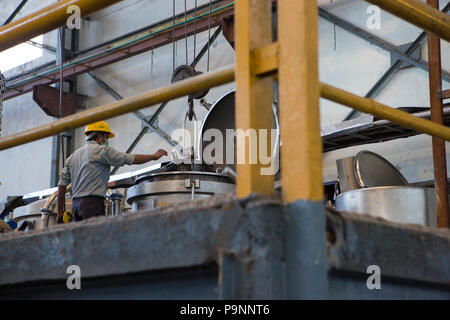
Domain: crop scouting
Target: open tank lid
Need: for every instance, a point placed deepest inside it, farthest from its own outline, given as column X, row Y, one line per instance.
column 372, row 170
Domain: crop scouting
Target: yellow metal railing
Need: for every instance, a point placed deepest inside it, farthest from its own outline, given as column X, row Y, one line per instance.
column 294, row 57
column 384, row 112
column 420, row 14
column 212, row 79
column 254, row 94
column 176, row 90
column 47, row 19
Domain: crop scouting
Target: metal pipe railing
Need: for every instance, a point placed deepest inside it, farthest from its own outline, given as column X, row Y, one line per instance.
column 45, row 20
column 147, row 99
column 384, row 112
column 210, row 80
column 418, row 13
column 122, row 45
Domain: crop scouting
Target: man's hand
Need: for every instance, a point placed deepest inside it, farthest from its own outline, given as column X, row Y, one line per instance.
column 144, row 158
column 160, row 153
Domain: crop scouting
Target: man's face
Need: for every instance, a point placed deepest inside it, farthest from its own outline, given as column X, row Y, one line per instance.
column 104, row 138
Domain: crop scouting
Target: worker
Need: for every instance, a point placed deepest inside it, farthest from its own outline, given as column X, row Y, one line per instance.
column 89, row 167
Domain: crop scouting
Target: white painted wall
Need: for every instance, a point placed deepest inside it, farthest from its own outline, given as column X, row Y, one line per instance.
column 25, row 168
column 354, row 65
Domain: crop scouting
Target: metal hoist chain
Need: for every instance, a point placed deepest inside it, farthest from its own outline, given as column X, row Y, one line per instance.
column 2, row 90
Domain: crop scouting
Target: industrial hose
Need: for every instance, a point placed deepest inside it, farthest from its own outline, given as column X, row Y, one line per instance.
column 46, row 211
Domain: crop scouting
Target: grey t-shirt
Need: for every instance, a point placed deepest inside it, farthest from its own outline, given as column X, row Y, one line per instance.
column 89, row 167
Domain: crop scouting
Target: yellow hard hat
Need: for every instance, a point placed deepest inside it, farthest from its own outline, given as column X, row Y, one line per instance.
column 100, row 126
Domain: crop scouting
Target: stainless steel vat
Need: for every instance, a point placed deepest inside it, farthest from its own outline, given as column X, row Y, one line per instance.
column 346, row 174
column 397, row 204
column 32, row 212
column 166, row 188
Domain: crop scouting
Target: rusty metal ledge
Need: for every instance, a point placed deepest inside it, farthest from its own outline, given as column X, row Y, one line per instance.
column 402, row 251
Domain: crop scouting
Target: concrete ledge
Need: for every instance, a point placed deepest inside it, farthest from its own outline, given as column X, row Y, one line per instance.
column 245, row 238
column 165, row 238
column 183, row 235
column 403, row 251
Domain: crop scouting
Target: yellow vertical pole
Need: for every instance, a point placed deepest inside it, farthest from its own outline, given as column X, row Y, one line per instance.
column 253, row 23
column 301, row 152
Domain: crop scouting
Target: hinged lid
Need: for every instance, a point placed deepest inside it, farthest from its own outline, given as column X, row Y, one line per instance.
column 372, row 170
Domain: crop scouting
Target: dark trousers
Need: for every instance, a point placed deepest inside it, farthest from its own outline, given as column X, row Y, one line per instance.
column 88, row 207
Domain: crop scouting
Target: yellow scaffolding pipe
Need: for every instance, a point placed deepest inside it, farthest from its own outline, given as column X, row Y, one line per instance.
column 45, row 20
column 144, row 100
column 384, row 112
column 253, row 96
column 298, row 74
column 210, row 80
column 418, row 13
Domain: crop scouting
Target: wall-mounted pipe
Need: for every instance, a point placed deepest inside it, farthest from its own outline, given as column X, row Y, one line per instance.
column 439, row 154
column 45, row 20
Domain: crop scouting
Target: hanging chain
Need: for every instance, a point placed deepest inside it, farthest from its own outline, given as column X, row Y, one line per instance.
column 2, row 91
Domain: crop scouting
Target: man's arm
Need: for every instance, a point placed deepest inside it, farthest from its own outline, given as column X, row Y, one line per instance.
column 64, row 181
column 61, row 202
column 143, row 158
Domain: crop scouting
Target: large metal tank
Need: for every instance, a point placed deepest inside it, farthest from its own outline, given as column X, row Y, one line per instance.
column 165, row 188
column 402, row 204
column 371, row 185
column 32, row 212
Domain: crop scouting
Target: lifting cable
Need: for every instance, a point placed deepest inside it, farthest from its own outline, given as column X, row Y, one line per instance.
column 195, row 30
column 173, row 36
column 185, row 31
column 209, row 33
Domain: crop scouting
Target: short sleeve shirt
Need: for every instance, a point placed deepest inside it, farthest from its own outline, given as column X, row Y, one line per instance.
column 89, row 167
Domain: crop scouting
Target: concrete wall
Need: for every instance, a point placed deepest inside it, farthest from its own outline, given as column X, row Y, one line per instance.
column 345, row 61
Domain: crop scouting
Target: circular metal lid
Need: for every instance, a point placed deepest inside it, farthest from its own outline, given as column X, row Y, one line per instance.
column 222, row 117
column 372, row 170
